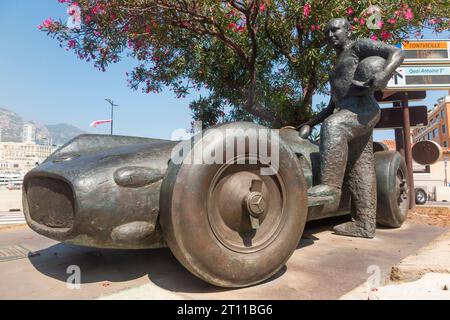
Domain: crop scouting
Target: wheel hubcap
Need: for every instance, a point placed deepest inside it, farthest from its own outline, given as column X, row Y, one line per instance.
column 402, row 190
column 245, row 209
column 256, row 205
column 420, row 196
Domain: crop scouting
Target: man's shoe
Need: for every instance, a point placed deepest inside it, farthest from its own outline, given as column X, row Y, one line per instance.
column 354, row 229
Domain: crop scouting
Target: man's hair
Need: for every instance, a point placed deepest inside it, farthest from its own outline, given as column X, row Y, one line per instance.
column 344, row 20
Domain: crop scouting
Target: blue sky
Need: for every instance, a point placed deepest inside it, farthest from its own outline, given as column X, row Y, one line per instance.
column 42, row 82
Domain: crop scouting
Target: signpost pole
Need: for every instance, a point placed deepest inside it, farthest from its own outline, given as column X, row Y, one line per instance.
column 399, row 145
column 408, row 153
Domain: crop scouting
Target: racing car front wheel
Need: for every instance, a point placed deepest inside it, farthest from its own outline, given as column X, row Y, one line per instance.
column 393, row 190
column 234, row 221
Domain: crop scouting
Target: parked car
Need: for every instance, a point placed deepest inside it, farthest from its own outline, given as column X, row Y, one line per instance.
column 421, row 196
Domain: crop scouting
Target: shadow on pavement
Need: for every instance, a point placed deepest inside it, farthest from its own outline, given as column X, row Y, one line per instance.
column 159, row 265
column 317, row 226
column 99, row 265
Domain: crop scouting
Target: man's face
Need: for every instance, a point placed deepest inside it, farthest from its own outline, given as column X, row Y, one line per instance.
column 337, row 33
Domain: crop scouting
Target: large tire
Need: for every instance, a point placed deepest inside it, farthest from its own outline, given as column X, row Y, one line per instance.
column 205, row 215
column 393, row 190
column 421, row 196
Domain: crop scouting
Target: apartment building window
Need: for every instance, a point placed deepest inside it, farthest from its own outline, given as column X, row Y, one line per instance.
column 429, row 136
column 442, row 113
column 444, row 129
column 445, row 144
column 435, row 133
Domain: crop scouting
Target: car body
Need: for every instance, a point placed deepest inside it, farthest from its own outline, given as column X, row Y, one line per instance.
column 113, row 192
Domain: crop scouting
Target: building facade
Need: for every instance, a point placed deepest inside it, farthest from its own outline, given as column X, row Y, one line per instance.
column 434, row 178
column 22, row 157
column 438, row 124
column 29, row 133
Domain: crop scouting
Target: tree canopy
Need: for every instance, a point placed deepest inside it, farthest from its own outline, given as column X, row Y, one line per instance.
column 259, row 60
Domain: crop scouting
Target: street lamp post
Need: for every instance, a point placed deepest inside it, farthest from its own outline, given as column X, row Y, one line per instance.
column 112, row 112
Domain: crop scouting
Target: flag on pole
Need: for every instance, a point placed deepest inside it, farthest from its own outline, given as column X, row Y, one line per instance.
column 97, row 122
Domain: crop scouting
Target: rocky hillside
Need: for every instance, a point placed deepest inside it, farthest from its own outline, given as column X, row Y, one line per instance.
column 11, row 125
column 63, row 132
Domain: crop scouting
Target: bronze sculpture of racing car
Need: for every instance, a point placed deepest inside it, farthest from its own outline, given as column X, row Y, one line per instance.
column 227, row 223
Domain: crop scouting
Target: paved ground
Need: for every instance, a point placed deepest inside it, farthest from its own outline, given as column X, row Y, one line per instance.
column 325, row 266
column 422, row 275
column 13, row 217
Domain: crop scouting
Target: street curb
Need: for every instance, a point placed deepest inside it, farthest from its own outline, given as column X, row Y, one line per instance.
column 409, row 273
column 434, row 258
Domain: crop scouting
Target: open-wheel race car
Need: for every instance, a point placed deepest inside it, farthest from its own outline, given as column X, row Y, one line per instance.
column 230, row 222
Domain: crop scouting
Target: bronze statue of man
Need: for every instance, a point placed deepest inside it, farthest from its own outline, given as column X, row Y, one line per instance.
column 362, row 66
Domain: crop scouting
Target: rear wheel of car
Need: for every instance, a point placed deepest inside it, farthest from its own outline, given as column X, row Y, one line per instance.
column 392, row 189
column 228, row 223
column 421, row 196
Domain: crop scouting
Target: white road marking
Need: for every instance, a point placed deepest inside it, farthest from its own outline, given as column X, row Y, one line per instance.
column 12, row 218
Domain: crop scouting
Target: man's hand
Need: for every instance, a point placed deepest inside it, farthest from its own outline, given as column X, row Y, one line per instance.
column 304, row 131
column 378, row 81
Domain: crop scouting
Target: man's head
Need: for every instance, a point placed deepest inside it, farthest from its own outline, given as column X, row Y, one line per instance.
column 338, row 32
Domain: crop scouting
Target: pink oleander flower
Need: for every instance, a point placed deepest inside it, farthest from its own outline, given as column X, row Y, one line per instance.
column 374, row 37
column 350, row 11
column 231, row 25
column 72, row 43
column 48, row 22
column 409, row 15
column 307, row 10
column 39, row 27
column 392, row 21
column 98, row 9
column 385, row 35
column 262, row 7
column 380, row 24
column 362, row 21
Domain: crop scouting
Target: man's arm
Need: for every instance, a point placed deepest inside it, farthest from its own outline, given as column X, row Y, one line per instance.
column 393, row 56
column 322, row 115
column 305, row 128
